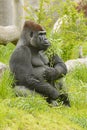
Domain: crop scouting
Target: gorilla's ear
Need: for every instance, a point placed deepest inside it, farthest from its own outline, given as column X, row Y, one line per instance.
column 31, row 34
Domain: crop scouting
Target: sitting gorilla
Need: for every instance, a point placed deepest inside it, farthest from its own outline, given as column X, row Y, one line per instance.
column 31, row 68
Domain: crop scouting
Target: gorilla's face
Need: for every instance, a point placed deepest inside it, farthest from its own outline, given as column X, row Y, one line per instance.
column 39, row 40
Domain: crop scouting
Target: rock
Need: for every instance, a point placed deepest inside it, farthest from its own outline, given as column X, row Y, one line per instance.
column 71, row 64
column 9, row 34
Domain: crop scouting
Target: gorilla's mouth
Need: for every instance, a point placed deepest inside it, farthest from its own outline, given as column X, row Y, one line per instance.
column 46, row 43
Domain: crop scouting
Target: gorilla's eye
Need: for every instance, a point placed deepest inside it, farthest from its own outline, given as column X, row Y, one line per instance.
column 31, row 34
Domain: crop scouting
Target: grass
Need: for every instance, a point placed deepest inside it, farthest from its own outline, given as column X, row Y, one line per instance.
column 5, row 52
column 34, row 113
column 6, row 81
column 15, row 119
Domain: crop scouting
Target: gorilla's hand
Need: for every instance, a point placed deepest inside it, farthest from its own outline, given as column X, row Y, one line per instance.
column 50, row 73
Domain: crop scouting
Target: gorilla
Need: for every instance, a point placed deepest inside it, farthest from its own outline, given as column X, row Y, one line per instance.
column 31, row 67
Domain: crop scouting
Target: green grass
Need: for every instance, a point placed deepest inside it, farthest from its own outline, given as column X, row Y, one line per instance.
column 6, row 81
column 85, row 49
column 34, row 113
column 5, row 52
column 15, row 119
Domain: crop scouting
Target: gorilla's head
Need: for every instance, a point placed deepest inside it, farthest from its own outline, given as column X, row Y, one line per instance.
column 35, row 36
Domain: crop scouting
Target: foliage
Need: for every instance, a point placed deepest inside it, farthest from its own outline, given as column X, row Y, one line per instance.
column 44, row 14
column 76, row 80
column 80, row 73
column 73, row 29
column 5, row 52
column 30, row 103
column 34, row 112
column 17, row 119
column 54, row 48
column 73, row 32
column 77, row 87
column 84, row 49
column 6, row 82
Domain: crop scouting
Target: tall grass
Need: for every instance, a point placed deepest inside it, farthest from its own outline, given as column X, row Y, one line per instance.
column 5, row 52
column 77, row 85
column 35, row 104
column 6, row 82
column 33, row 112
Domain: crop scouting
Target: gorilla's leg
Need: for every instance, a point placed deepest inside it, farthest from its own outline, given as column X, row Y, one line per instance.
column 45, row 89
column 42, row 87
column 22, row 91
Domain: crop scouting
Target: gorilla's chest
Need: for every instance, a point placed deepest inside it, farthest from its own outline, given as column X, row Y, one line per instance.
column 39, row 60
column 39, row 63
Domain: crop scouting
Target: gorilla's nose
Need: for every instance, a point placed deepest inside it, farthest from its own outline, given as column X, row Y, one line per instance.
column 47, row 42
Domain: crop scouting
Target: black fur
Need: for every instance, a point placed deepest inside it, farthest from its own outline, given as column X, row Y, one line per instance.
column 31, row 68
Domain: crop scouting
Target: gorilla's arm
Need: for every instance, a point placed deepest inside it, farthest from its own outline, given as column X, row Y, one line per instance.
column 20, row 64
column 57, row 71
column 59, row 66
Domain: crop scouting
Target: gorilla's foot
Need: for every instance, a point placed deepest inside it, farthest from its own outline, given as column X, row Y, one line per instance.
column 64, row 98
column 54, row 103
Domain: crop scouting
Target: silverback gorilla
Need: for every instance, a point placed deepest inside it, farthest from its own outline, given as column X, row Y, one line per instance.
column 31, row 68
